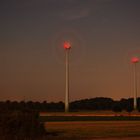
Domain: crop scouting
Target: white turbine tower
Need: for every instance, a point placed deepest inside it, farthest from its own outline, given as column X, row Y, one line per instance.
column 134, row 61
column 67, row 48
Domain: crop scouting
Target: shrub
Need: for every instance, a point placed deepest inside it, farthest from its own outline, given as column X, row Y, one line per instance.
column 20, row 125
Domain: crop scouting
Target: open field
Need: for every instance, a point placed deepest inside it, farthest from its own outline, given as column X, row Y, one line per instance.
column 89, row 116
column 93, row 130
column 101, row 125
column 91, row 113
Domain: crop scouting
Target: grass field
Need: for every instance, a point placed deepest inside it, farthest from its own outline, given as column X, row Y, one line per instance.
column 92, row 125
column 89, row 116
column 92, row 129
column 91, row 113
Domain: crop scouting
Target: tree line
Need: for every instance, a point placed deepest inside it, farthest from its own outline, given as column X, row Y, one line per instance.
column 92, row 104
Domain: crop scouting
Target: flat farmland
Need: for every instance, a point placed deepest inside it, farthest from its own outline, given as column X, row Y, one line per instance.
column 76, row 130
column 104, row 125
column 89, row 116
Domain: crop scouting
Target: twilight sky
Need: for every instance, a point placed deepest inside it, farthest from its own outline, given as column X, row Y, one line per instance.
column 104, row 35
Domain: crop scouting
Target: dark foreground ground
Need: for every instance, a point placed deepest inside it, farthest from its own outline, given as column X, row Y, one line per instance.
column 93, row 130
column 127, row 138
column 92, row 126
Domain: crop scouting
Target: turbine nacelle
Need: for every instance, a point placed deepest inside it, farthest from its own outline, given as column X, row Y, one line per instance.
column 135, row 59
column 67, row 45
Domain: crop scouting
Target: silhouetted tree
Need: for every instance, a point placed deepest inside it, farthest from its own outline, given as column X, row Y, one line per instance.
column 129, row 107
column 138, row 104
column 117, row 107
column 99, row 103
column 19, row 125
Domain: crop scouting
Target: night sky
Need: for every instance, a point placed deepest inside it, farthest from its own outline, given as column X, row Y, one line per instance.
column 104, row 35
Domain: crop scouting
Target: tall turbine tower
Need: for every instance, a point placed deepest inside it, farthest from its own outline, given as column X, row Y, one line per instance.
column 67, row 48
column 134, row 61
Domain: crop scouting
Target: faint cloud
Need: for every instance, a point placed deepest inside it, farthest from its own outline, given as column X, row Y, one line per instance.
column 75, row 14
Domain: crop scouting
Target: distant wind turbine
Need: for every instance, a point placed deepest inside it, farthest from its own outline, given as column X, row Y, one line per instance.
column 67, row 48
column 134, row 61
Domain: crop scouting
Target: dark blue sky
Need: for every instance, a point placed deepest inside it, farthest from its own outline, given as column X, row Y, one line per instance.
column 104, row 35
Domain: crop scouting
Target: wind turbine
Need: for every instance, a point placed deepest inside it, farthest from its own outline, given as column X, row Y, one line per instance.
column 134, row 61
column 67, row 48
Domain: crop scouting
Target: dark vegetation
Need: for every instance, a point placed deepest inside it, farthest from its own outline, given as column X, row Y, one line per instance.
column 93, row 104
column 20, row 125
column 101, row 103
column 21, row 121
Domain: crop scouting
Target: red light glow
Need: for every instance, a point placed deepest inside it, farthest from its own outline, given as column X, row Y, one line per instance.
column 135, row 59
column 67, row 45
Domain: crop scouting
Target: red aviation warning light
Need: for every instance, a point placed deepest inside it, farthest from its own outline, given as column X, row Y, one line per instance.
column 135, row 59
column 67, row 45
